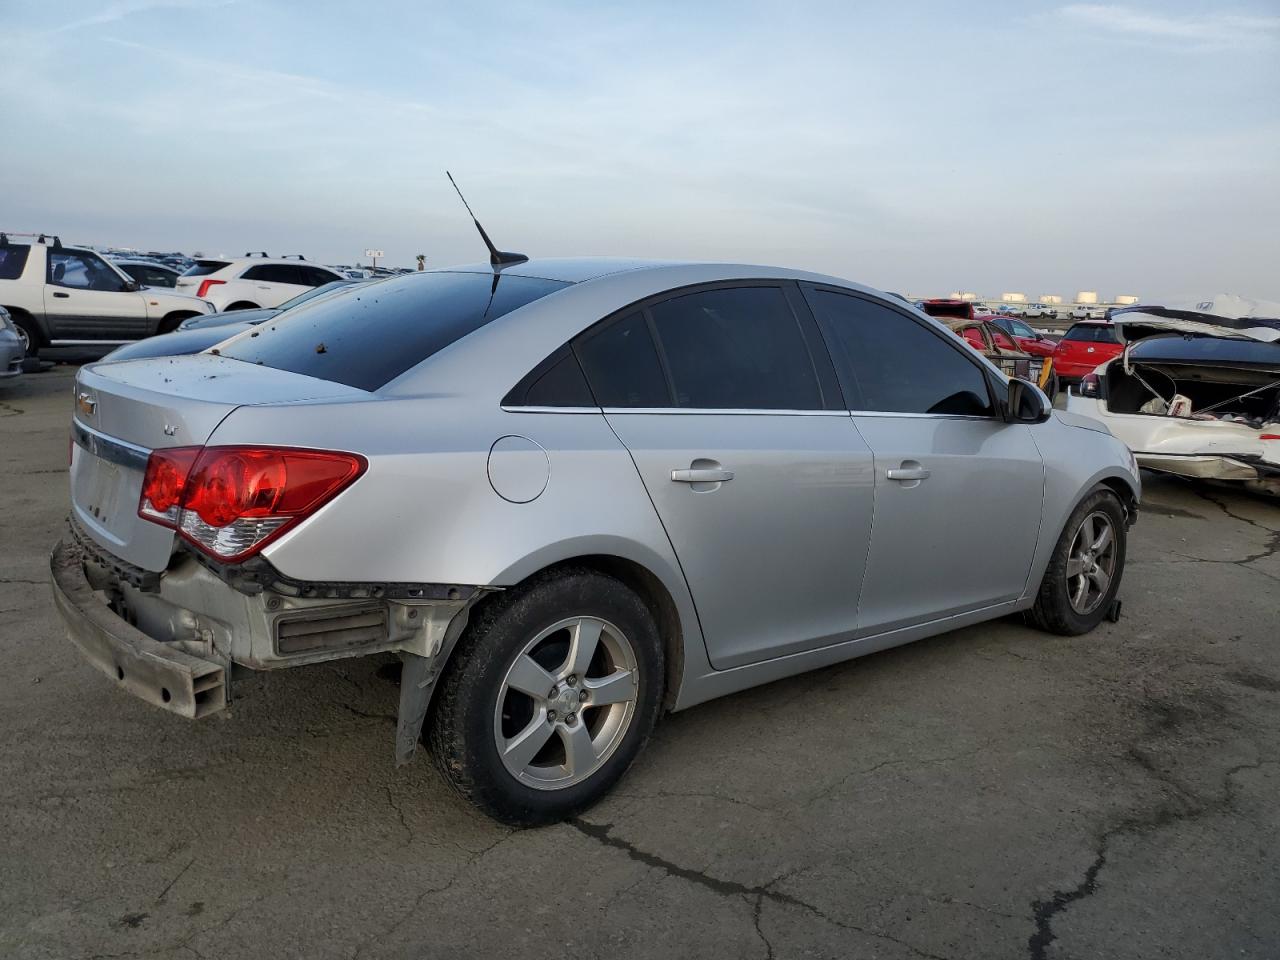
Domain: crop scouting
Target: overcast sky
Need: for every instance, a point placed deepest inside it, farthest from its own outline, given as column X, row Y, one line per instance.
column 925, row 147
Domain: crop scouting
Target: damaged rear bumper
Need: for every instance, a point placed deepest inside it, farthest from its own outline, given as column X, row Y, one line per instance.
column 162, row 674
column 1198, row 465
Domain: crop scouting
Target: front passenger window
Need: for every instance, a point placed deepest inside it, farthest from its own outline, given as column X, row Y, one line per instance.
column 896, row 364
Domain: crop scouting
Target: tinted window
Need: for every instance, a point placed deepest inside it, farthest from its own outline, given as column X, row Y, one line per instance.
column 13, row 260
column 737, row 349
column 275, row 273
column 622, row 365
column 1092, row 333
column 895, row 364
column 368, row 335
column 559, row 382
column 315, row 276
column 202, row 268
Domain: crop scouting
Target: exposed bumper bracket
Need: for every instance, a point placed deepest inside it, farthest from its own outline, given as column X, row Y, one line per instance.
column 159, row 673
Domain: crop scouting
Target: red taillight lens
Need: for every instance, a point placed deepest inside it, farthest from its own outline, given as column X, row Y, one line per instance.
column 205, row 285
column 163, row 483
column 230, row 501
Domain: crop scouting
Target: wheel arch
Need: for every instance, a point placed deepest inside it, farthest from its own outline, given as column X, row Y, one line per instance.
column 651, row 588
column 169, row 322
column 242, row 305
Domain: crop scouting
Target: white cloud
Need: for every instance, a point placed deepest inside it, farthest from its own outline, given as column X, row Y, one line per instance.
column 1206, row 31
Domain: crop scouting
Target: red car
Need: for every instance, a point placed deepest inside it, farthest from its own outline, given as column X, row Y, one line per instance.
column 1084, row 347
column 1032, row 342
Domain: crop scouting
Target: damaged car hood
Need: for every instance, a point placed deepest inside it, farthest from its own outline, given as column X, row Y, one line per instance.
column 1224, row 315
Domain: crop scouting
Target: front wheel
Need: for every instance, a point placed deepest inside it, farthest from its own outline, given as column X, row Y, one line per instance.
column 29, row 334
column 549, row 697
column 1084, row 573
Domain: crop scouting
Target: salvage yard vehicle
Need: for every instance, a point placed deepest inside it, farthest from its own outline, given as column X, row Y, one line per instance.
column 253, row 281
column 11, row 347
column 570, row 495
column 201, row 333
column 68, row 297
column 1084, row 348
column 149, row 273
column 1028, row 340
column 990, row 340
column 1197, row 394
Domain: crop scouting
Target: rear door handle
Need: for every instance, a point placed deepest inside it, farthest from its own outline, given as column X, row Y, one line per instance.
column 61, row 296
column 702, row 475
column 907, row 473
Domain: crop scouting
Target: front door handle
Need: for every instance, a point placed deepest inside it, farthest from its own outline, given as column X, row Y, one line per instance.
column 702, row 475
column 905, row 473
column 61, row 296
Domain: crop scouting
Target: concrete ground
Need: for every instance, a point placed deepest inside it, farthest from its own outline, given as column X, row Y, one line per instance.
column 990, row 793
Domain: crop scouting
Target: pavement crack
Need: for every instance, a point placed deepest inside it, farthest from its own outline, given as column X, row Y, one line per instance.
column 470, row 862
column 755, row 919
column 603, row 834
column 408, row 831
column 169, row 886
column 1272, row 546
column 1045, row 910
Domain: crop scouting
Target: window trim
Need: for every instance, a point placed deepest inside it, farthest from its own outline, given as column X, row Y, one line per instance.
column 826, row 377
column 848, row 381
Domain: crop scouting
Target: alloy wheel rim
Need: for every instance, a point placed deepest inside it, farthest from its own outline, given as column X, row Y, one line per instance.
column 25, row 338
column 1091, row 562
column 566, row 702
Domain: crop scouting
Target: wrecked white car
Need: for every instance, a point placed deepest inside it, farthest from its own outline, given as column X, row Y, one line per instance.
column 1196, row 391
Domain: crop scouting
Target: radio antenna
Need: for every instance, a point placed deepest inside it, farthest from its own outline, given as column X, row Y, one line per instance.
column 499, row 258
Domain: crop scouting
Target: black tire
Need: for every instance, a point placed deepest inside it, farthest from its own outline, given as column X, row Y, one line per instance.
column 28, row 329
column 461, row 732
column 1053, row 610
column 170, row 322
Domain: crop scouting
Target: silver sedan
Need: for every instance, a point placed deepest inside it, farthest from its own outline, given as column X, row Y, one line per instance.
column 570, row 496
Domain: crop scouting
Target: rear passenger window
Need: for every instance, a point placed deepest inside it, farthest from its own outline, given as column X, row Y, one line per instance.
column 736, row 349
column 556, row 382
column 275, row 273
column 316, row 277
column 13, row 260
column 622, row 365
column 893, row 363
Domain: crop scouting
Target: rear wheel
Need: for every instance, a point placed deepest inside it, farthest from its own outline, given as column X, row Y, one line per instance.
column 170, row 322
column 549, row 698
column 29, row 333
column 1084, row 572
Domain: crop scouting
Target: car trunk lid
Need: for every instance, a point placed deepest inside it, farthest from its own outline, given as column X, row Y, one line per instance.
column 123, row 411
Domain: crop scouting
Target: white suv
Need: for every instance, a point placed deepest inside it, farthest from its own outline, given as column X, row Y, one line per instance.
column 252, row 282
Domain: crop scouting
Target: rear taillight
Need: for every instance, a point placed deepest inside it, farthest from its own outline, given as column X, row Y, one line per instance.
column 231, row 501
column 1089, row 386
column 205, row 285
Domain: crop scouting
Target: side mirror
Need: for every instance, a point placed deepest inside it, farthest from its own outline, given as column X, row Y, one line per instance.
column 1026, row 403
column 132, row 286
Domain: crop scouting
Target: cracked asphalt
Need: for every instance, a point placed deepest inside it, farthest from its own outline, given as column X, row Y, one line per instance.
column 989, row 793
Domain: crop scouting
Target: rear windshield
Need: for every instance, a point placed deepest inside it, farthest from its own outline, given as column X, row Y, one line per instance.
column 367, row 336
column 13, row 258
column 203, row 267
column 1093, row 333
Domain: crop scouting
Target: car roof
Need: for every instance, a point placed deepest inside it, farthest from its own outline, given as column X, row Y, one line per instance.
column 567, row 269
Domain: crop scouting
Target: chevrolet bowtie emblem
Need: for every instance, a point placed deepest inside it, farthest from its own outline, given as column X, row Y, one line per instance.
column 87, row 404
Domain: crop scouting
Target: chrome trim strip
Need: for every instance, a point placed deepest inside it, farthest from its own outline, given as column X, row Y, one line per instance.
column 711, row 411
column 109, row 448
column 918, row 416
column 507, row 409
column 88, row 343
